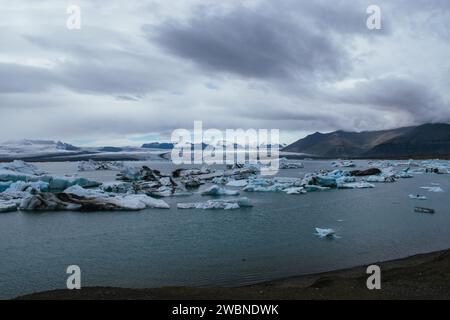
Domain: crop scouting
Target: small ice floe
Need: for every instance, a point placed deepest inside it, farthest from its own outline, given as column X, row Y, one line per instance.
column 295, row 190
column 220, row 180
column 340, row 220
column 405, row 175
column 417, row 197
column 39, row 186
column 424, row 210
column 7, row 206
column 237, row 183
column 356, row 185
column 20, row 166
column 218, row 191
column 286, row 164
column 433, row 189
column 313, row 188
column 217, row 204
column 325, row 233
column 344, row 164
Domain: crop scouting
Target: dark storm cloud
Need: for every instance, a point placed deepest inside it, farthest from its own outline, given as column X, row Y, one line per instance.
column 257, row 43
column 398, row 94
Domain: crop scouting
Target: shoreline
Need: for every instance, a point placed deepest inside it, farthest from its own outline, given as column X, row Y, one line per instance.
column 421, row 276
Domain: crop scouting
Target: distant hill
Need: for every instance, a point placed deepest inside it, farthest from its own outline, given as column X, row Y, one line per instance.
column 158, row 145
column 429, row 140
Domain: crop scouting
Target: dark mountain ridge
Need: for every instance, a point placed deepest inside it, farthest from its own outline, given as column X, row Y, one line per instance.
column 428, row 140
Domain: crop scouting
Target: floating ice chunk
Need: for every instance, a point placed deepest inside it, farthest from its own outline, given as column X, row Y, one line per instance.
column 356, row 185
column 22, row 167
column 345, row 164
column 405, row 175
column 218, row 191
column 116, row 187
column 329, row 233
column 39, row 186
column 61, row 183
column 313, row 188
column 417, row 197
column 433, row 189
column 237, row 183
column 295, row 190
column 82, row 192
column 217, row 204
column 5, row 185
column 278, row 187
column 71, row 201
column 380, row 179
column 92, row 165
column 46, row 202
column 345, row 179
column 7, row 206
column 138, row 202
column 286, row 164
column 220, row 180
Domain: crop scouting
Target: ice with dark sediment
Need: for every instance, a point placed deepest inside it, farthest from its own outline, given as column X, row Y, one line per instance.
column 92, row 165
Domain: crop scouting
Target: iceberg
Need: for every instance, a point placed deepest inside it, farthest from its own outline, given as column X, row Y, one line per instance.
column 220, row 180
column 286, row 164
column 218, row 191
column 313, row 188
column 217, row 204
column 295, row 190
column 356, row 185
column 237, row 183
column 92, row 165
column 82, row 192
column 39, row 186
column 70, row 201
column 380, row 179
column 328, row 233
column 7, row 206
column 20, row 166
column 433, row 189
column 116, row 187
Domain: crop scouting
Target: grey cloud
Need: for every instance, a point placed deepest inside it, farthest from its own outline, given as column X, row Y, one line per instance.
column 254, row 43
column 23, row 78
column 394, row 93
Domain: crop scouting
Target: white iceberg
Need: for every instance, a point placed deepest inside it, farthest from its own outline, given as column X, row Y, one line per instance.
column 356, row 185
column 237, row 183
column 39, row 186
column 329, row 233
column 295, row 190
column 433, row 189
column 218, row 191
column 22, row 167
column 7, row 206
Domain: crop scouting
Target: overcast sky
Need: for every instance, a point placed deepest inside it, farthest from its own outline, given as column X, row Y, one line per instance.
column 136, row 70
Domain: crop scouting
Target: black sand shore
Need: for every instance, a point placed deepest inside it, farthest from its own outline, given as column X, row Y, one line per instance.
column 424, row 276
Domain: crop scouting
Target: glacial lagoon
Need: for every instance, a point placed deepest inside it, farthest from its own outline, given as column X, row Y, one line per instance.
column 273, row 239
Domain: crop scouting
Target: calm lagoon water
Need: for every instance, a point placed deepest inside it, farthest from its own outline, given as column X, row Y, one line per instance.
column 274, row 239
